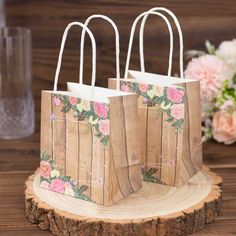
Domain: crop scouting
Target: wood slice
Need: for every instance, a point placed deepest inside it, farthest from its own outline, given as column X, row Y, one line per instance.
column 153, row 210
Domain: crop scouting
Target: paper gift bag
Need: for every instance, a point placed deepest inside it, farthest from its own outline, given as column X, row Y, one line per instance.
column 88, row 140
column 169, row 118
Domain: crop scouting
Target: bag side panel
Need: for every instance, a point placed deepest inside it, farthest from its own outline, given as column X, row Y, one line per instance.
column 194, row 104
column 192, row 147
column 118, row 145
column 132, row 140
column 46, row 134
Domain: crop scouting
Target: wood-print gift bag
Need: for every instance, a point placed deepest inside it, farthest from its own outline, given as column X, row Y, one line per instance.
column 169, row 117
column 83, row 153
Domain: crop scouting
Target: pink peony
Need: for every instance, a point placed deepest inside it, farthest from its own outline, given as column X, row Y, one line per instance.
column 177, row 111
column 125, row 88
column 175, row 95
column 57, row 185
column 211, row 71
column 44, row 184
column 143, row 87
column 224, row 127
column 73, row 100
column 104, row 127
column 57, row 101
column 45, row 169
column 100, row 109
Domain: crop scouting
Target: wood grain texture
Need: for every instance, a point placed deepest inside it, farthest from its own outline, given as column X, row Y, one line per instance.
column 98, row 171
column 77, row 152
column 72, row 142
column 151, row 218
column 58, row 138
column 200, row 20
column 154, row 151
column 168, row 155
column 46, row 131
column 118, row 145
column 132, row 138
column 169, row 146
column 24, row 158
column 124, row 140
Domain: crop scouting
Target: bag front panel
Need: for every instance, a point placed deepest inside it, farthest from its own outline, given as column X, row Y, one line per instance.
column 74, row 146
column 161, row 118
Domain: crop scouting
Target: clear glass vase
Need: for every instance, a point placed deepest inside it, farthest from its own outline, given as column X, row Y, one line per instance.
column 17, row 118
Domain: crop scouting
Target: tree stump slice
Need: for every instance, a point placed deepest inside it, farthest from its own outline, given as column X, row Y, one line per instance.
column 153, row 210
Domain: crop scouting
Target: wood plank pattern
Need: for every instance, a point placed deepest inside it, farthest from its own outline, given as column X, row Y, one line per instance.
column 200, row 20
column 119, row 145
column 98, row 165
column 166, row 153
column 72, row 146
column 59, row 139
column 154, row 151
column 132, row 139
column 85, row 155
column 78, row 152
column 194, row 123
column 170, row 147
column 46, row 124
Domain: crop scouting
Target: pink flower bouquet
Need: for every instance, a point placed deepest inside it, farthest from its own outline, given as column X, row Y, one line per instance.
column 216, row 71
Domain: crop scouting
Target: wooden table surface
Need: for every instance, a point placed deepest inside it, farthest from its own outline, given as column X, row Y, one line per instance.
column 19, row 159
column 200, row 20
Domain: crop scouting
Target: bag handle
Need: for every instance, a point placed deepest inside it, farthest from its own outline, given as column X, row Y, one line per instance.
column 141, row 32
column 132, row 37
column 63, row 41
column 117, row 48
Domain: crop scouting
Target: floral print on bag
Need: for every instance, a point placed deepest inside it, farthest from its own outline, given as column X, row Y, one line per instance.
column 169, row 99
column 51, row 179
column 96, row 113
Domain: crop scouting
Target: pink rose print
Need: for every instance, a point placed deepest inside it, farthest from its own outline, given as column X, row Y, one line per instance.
column 57, row 101
column 177, row 111
column 125, row 87
column 175, row 95
column 100, row 109
column 104, row 127
column 45, row 169
column 57, row 185
column 44, row 184
column 143, row 87
column 73, row 100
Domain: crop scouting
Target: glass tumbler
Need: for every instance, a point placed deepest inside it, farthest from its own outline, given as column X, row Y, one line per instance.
column 16, row 102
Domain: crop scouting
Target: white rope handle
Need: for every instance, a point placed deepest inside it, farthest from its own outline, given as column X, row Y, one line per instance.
column 117, row 48
column 181, row 63
column 141, row 51
column 63, row 41
column 132, row 37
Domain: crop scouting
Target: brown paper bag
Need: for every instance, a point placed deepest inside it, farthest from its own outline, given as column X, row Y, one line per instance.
column 169, row 119
column 89, row 140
